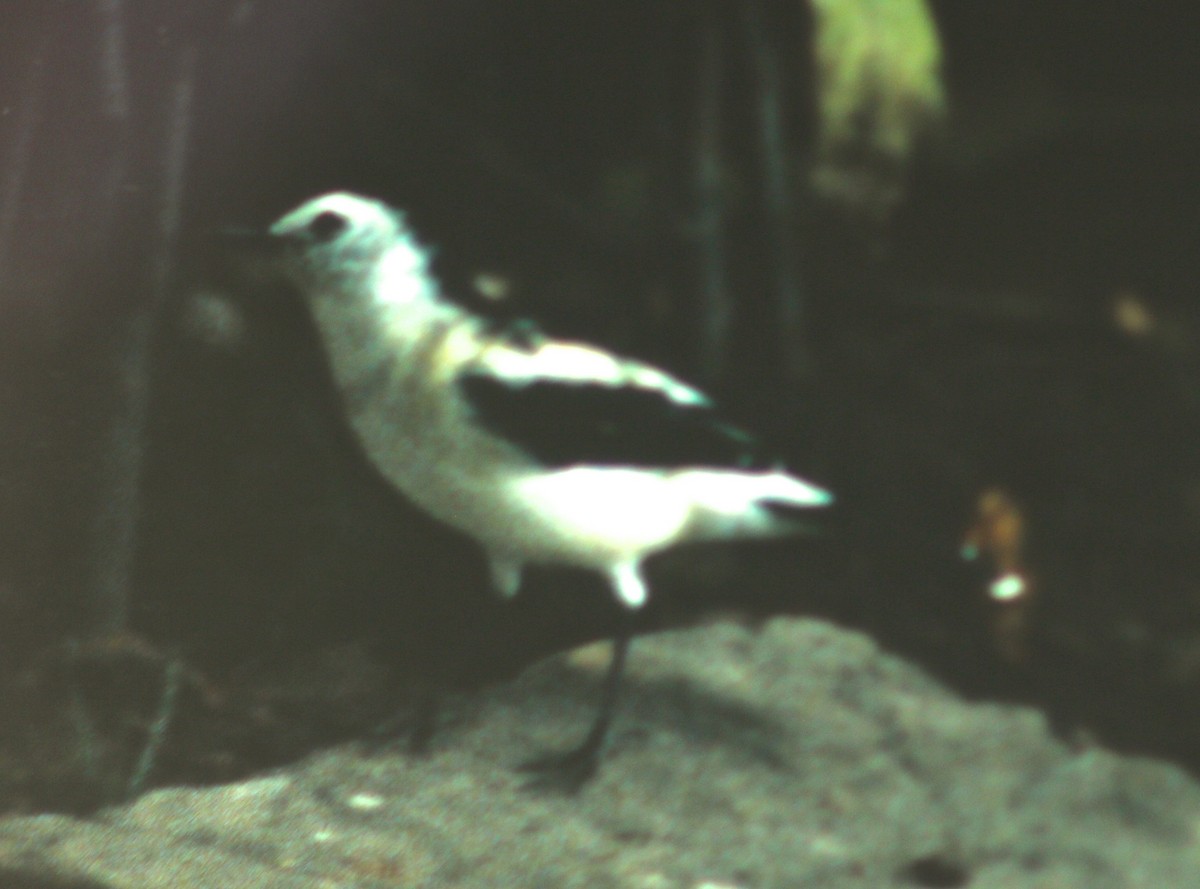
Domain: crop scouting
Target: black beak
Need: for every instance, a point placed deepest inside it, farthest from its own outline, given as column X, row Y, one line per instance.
column 251, row 243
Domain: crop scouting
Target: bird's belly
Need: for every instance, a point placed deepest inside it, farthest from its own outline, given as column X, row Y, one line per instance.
column 583, row 516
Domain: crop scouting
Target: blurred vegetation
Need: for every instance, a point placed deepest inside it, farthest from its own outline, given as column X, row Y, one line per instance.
column 879, row 90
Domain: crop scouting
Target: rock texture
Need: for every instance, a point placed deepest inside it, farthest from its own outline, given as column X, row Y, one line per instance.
column 795, row 755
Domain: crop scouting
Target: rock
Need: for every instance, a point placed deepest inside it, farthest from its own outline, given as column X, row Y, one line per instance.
column 798, row 755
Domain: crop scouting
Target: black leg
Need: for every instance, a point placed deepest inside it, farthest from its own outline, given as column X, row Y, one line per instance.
column 568, row 772
column 419, row 721
column 424, row 721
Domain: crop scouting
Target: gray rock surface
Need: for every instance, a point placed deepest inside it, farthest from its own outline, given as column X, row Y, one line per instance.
column 796, row 756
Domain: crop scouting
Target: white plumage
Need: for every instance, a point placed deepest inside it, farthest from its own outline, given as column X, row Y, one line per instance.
column 542, row 451
column 400, row 354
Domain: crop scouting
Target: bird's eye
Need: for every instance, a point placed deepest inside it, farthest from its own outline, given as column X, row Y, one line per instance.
column 327, row 226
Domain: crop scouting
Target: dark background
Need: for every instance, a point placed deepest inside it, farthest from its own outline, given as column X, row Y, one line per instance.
column 175, row 486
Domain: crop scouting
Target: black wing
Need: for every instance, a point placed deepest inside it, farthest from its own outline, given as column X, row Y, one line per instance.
column 565, row 423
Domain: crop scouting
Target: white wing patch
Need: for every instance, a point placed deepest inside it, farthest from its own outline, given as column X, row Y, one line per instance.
column 736, row 493
column 577, row 363
column 604, row 510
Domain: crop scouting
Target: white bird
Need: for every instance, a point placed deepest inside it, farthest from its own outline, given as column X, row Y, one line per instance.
column 543, row 451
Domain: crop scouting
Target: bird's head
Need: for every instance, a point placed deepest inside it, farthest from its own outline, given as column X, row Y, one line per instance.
column 345, row 244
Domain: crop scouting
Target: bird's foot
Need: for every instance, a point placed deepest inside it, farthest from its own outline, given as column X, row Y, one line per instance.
column 417, row 722
column 564, row 773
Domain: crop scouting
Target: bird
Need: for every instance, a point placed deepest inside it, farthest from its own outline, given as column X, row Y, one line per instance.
column 543, row 451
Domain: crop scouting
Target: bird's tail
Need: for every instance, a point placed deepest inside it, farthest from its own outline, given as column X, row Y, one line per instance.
column 751, row 504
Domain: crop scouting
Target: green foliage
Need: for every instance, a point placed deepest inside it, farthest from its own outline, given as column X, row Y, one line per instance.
column 879, row 89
